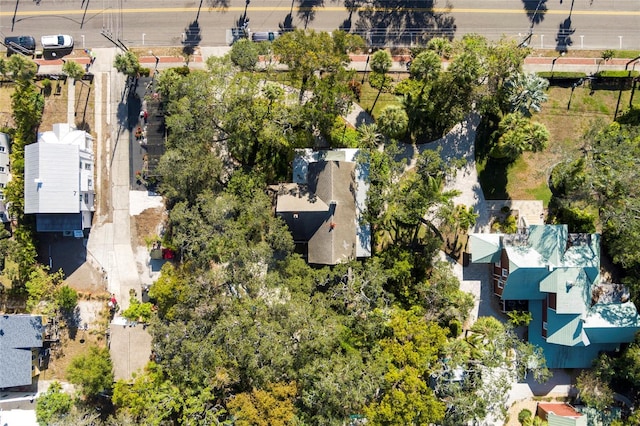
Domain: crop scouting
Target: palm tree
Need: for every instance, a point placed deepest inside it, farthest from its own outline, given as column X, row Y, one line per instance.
column 380, row 65
column 525, row 93
column 369, row 135
column 426, row 66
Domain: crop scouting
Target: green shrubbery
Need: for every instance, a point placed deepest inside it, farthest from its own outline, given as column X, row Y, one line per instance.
column 617, row 74
column 138, row 311
column 550, row 75
column 343, row 135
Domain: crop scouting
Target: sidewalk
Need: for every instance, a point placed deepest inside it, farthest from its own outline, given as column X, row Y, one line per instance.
column 359, row 62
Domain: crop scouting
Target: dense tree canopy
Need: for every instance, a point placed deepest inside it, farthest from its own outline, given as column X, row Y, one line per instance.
column 245, row 330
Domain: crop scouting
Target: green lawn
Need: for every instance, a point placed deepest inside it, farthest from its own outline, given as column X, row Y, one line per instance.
column 368, row 95
column 567, row 116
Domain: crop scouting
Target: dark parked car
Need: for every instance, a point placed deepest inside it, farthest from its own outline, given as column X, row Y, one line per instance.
column 20, row 44
column 265, row 36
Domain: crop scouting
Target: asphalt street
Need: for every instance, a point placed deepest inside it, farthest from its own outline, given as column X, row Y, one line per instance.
column 548, row 24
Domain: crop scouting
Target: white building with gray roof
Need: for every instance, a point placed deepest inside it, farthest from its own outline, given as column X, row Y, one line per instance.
column 58, row 179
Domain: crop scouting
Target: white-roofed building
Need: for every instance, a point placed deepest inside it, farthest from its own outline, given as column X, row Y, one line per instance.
column 58, row 179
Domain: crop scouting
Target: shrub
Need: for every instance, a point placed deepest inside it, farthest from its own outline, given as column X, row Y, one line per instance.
column 144, row 72
column 356, row 88
column 183, row 70
column 455, row 328
column 577, row 220
column 342, row 135
column 524, row 415
column 52, row 404
column 617, row 74
column 138, row 311
column 550, row 75
column 93, row 371
column 381, row 82
column 607, row 54
column 67, row 298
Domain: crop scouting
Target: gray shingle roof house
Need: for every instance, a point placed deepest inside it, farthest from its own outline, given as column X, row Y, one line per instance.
column 58, row 179
column 19, row 335
column 324, row 204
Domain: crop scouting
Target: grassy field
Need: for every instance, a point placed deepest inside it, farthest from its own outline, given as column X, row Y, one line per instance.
column 368, row 96
column 567, row 115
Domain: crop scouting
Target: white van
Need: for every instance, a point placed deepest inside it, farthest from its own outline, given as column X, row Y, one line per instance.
column 56, row 42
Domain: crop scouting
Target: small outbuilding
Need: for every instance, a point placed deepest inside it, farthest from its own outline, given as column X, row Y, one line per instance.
column 560, row 414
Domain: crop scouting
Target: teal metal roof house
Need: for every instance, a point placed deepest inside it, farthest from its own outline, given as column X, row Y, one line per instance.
column 575, row 314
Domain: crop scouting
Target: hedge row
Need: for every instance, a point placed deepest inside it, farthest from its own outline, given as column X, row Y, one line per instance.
column 617, row 74
column 561, row 75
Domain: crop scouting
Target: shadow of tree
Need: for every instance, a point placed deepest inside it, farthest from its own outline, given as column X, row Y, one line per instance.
column 563, row 38
column 493, row 179
column 307, row 10
column 287, row 23
column 192, row 37
column 535, row 10
column 217, row 3
column 397, row 22
column 352, row 6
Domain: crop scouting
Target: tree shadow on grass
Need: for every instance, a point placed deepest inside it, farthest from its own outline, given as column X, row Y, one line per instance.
column 493, row 179
column 404, row 23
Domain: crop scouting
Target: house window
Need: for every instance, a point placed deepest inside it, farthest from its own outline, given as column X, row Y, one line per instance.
column 90, row 183
column 498, row 265
column 1, row 148
column 544, row 325
column 1, row 185
column 87, row 166
column 505, row 272
column 1, row 168
column 86, row 198
column 500, row 284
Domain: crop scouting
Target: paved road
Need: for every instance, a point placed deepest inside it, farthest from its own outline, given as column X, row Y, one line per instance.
column 596, row 24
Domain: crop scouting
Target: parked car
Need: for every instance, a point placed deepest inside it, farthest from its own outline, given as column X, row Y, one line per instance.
column 57, row 41
column 265, row 35
column 20, row 44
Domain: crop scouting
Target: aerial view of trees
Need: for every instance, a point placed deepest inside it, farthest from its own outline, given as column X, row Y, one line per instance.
column 245, row 331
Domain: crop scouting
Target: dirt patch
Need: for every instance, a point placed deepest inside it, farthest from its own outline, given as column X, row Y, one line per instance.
column 6, row 113
column 87, row 279
column 146, row 225
column 103, row 210
column 75, row 340
column 84, row 106
column 163, row 51
column 55, row 105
